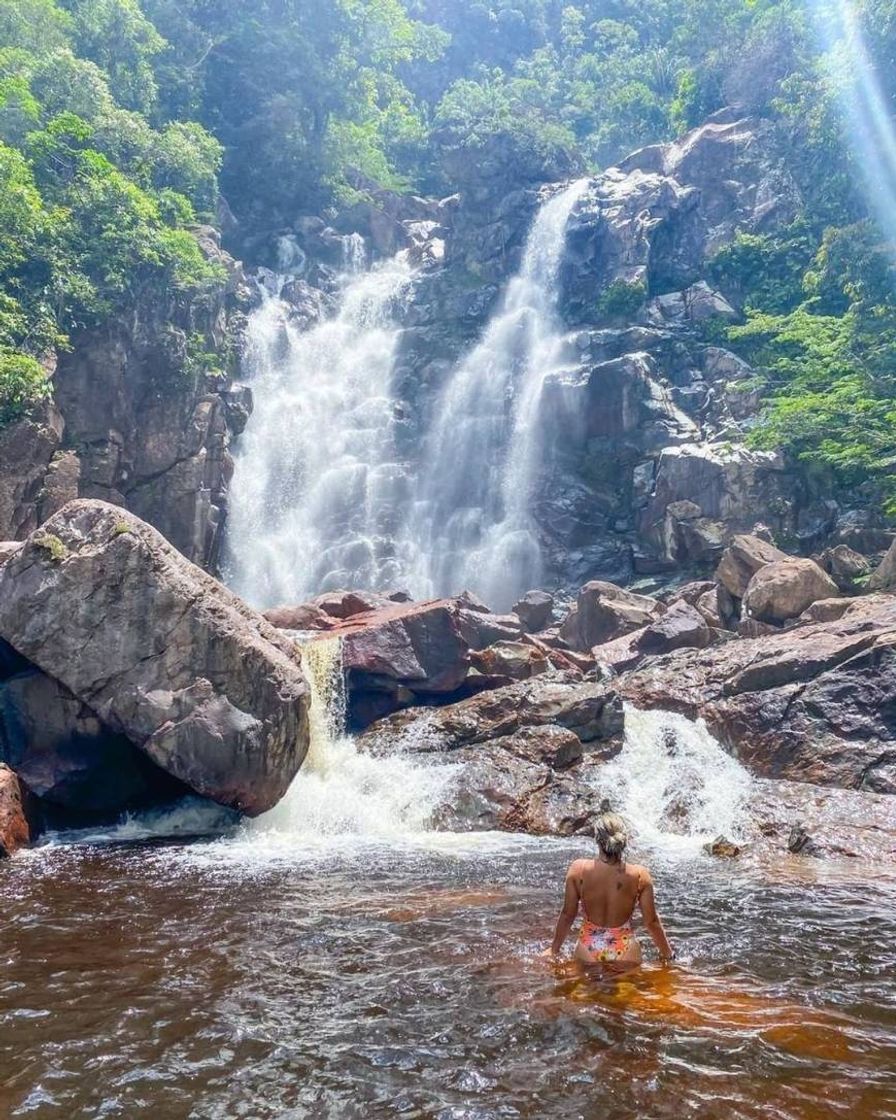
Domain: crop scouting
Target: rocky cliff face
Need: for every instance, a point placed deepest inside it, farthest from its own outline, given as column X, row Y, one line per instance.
column 138, row 418
column 644, row 468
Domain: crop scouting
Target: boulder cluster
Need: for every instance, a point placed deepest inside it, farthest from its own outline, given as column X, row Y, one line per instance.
column 129, row 676
column 790, row 660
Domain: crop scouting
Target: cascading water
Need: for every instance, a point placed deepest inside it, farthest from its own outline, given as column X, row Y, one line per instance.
column 472, row 523
column 674, row 783
column 316, row 483
column 340, row 790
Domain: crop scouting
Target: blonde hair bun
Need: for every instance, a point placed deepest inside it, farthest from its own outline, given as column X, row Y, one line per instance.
column 611, row 834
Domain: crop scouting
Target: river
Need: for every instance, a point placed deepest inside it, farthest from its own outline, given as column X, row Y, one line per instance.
column 346, row 978
column 338, row 958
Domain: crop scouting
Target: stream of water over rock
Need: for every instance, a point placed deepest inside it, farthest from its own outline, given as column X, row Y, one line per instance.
column 320, row 496
column 317, row 486
column 338, row 959
column 472, row 519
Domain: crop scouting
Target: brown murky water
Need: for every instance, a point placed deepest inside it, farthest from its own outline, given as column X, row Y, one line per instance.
column 230, row 978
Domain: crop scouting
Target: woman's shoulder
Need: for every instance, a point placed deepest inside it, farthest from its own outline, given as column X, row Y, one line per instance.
column 642, row 873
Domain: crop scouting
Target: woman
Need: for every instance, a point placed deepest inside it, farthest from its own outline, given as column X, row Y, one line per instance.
column 608, row 890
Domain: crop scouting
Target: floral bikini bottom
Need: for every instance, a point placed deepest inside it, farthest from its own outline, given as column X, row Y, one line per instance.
column 603, row 943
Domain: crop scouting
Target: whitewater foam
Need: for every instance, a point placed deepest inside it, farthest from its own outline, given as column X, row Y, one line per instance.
column 343, row 791
column 471, row 525
column 317, row 478
column 674, row 783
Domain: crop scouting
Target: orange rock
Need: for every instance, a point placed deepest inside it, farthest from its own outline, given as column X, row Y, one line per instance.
column 14, row 830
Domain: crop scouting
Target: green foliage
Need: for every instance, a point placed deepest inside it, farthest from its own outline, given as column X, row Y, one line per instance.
column 201, row 361
column 761, row 270
column 117, row 36
column 187, row 160
column 830, row 385
column 622, row 298
column 23, row 385
column 53, row 546
column 95, row 200
column 501, row 119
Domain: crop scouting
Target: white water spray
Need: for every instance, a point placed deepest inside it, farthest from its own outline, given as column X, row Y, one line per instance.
column 339, row 789
column 472, row 523
column 674, row 783
column 316, row 481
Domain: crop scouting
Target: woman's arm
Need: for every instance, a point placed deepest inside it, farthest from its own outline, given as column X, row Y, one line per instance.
column 652, row 920
column 568, row 912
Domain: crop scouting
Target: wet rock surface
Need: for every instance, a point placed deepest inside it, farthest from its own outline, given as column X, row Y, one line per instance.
column 527, row 754
column 822, row 822
column 15, row 831
column 161, row 653
column 816, row 703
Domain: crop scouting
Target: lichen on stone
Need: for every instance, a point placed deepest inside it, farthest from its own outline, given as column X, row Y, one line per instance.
column 53, row 546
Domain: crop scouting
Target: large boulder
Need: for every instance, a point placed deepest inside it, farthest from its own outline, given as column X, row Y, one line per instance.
column 783, row 589
column 535, row 611
column 846, row 567
column 681, row 627
column 742, row 559
column 511, row 661
column 525, row 756
column 418, row 644
column 604, row 611
column 15, row 831
column 160, row 652
column 481, row 629
column 816, row 703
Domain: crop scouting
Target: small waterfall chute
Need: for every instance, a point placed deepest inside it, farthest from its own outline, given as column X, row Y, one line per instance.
column 674, row 783
column 342, row 791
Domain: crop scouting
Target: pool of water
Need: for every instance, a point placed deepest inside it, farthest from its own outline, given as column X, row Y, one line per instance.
column 262, row 975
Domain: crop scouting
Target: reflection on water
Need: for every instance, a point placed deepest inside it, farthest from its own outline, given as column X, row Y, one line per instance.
column 348, row 978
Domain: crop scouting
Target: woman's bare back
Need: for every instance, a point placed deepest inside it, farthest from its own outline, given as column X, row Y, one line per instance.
column 608, row 889
column 609, row 892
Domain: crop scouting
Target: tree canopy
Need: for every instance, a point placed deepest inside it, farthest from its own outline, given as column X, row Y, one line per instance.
column 122, row 120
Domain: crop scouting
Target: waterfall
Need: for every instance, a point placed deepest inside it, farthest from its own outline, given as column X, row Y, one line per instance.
column 316, row 483
column 674, row 783
column 472, row 524
column 340, row 790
